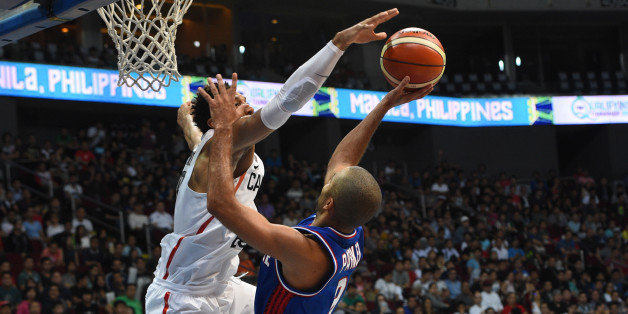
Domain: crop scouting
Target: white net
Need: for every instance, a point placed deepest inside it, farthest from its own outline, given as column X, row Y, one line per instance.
column 144, row 34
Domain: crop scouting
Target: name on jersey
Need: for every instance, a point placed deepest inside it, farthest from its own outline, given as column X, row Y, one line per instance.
column 351, row 257
column 255, row 182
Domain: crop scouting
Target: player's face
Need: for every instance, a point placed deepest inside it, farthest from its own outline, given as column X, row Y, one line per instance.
column 242, row 107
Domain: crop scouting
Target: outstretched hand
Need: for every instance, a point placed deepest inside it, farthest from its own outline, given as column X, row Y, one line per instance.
column 398, row 96
column 364, row 32
column 221, row 105
column 184, row 113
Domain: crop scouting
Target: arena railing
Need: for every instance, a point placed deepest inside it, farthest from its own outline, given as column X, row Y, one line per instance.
column 9, row 166
column 11, row 169
column 116, row 211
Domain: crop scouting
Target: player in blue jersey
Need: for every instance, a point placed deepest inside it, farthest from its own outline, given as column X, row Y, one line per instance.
column 307, row 267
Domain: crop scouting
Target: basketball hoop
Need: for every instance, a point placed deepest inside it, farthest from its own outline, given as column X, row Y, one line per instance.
column 144, row 35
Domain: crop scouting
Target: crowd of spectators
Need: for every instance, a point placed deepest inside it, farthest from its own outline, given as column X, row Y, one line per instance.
column 254, row 65
column 446, row 240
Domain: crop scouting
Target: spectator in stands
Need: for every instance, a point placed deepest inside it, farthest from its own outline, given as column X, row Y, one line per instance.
column 81, row 220
column 73, row 189
column 54, row 227
column 129, row 298
column 8, row 222
column 273, row 159
column 87, row 304
column 54, row 253
column 8, row 291
column 400, row 276
column 434, row 296
column 17, row 241
column 246, row 267
column 160, row 219
column 265, row 207
column 137, row 219
column 440, row 188
column 490, row 299
column 94, row 254
column 453, row 284
column 84, row 154
column 131, row 245
column 388, row 288
column 477, row 304
column 28, row 273
column 9, row 148
column 30, row 296
column 53, row 297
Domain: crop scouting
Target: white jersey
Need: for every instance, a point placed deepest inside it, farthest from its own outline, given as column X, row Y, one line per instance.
column 201, row 254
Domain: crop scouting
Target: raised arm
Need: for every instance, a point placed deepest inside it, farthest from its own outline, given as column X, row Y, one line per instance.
column 191, row 132
column 305, row 81
column 353, row 145
column 282, row 242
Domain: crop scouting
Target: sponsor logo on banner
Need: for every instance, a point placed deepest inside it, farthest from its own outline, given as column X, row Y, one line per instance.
column 590, row 109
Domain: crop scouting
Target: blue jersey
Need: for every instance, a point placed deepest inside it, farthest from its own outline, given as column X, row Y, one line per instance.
column 274, row 294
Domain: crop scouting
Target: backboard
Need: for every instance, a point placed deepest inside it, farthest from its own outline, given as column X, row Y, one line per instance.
column 20, row 18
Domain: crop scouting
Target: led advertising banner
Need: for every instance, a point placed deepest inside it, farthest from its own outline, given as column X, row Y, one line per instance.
column 356, row 104
column 257, row 93
column 590, row 109
column 74, row 83
column 98, row 85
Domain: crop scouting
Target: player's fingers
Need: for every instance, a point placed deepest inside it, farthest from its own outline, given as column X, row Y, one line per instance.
column 418, row 94
column 221, row 85
column 386, row 15
column 204, row 94
column 375, row 18
column 214, row 90
column 381, row 35
column 234, row 84
column 402, row 85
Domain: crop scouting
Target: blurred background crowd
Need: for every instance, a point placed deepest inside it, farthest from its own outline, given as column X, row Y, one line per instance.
column 82, row 212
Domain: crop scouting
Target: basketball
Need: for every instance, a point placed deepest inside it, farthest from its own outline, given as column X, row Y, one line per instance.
column 413, row 52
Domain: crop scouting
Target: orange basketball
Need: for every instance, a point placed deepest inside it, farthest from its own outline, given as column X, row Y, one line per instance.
column 413, row 52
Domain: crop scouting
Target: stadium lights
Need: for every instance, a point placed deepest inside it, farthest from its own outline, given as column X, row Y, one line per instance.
column 274, row 21
column 65, row 30
column 197, row 43
column 501, row 65
column 518, row 61
column 242, row 49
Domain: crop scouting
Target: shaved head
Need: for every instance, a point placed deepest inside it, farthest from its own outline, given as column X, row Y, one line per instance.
column 356, row 194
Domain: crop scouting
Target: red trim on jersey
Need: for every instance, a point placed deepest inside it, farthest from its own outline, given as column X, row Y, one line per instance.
column 272, row 300
column 278, row 300
column 239, row 182
column 174, row 250
column 284, row 301
column 166, row 297
column 204, row 225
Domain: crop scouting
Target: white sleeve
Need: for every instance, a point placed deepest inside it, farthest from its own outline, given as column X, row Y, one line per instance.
column 300, row 86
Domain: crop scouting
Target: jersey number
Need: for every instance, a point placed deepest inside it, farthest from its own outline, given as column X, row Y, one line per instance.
column 342, row 285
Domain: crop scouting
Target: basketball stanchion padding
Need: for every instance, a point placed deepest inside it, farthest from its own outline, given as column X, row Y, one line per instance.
column 144, row 34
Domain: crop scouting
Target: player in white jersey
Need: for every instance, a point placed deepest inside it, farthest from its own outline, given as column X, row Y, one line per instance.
column 199, row 258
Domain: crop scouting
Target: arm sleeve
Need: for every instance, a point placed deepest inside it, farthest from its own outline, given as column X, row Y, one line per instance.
column 300, row 86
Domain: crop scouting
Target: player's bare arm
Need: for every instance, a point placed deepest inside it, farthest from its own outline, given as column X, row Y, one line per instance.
column 296, row 252
column 308, row 79
column 191, row 132
column 353, row 145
